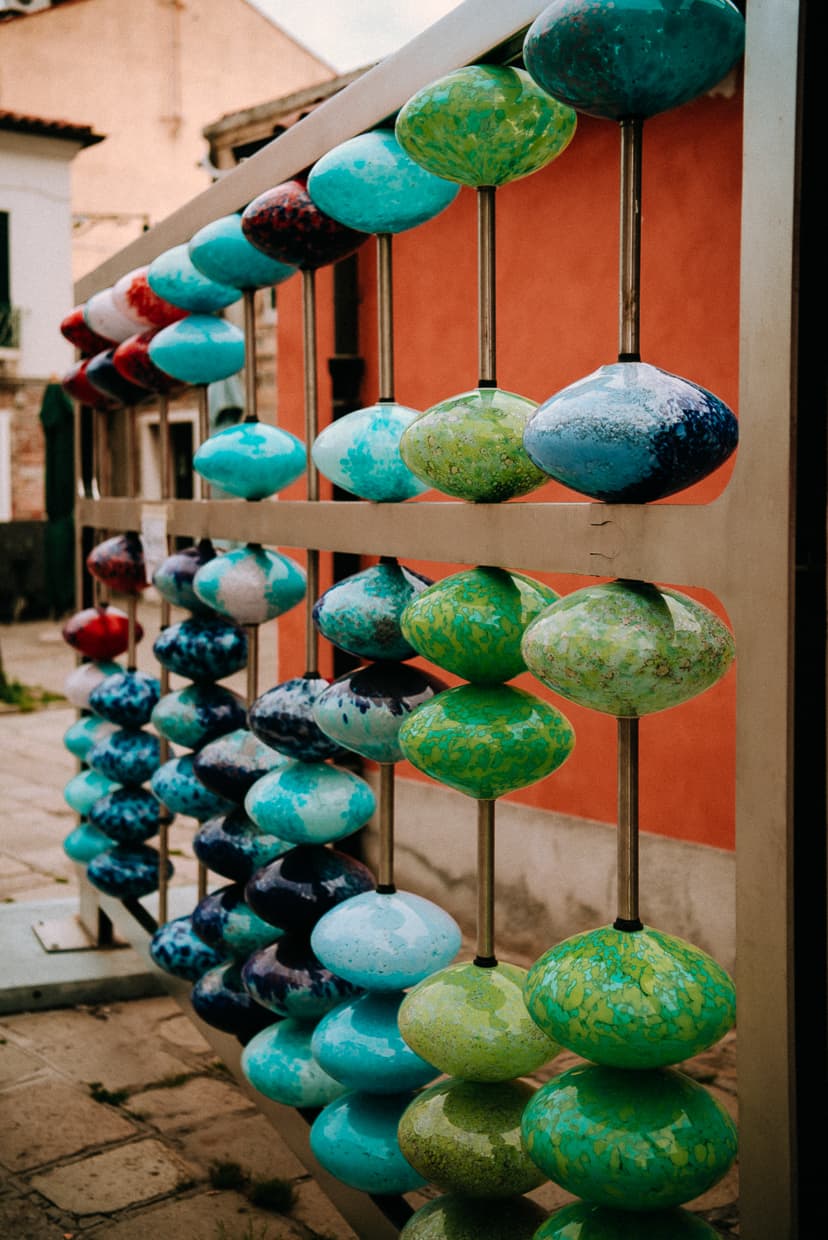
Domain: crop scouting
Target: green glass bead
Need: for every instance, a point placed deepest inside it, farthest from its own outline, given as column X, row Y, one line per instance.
column 471, row 446
column 486, row 740
column 466, row 1138
column 632, row 1140
column 453, row 1217
column 582, row 1221
column 484, row 125
column 472, row 623
column 472, row 1022
column 628, row 648
column 639, row 999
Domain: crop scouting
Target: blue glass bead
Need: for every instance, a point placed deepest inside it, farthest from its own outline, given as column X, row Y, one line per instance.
column 108, row 380
column 297, row 889
column 173, row 276
column 221, row 1001
column 84, row 733
column 201, row 649
column 283, row 718
column 221, row 252
column 632, row 58
column 630, row 433
column 233, row 846
column 223, row 920
column 359, row 1044
column 80, row 682
column 173, row 579
column 355, row 1139
column 361, row 453
column 362, row 613
column 231, row 765
column 128, row 815
column 386, row 940
column 84, row 789
column 128, row 756
column 582, row 1221
column 175, row 784
column 126, row 870
column 279, row 1064
column 310, row 802
column 251, row 460
column 85, row 842
column 178, row 950
column 250, row 585
column 364, row 710
column 454, row 1217
column 198, row 349
column 126, row 698
column 287, row 978
column 119, row 563
column 197, row 714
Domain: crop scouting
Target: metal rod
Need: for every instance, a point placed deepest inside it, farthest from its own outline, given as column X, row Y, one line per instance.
column 311, row 432
column 485, row 884
column 628, row 918
column 385, row 307
column 164, row 446
column 131, row 451
column 629, row 303
column 252, row 663
column 132, row 621
column 385, row 870
column 201, row 881
column 251, row 400
column 203, row 433
column 486, row 301
column 165, row 817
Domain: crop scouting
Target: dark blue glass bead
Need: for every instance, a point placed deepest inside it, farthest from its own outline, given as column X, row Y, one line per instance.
column 283, row 718
column 232, row 764
column 128, row 756
column 128, row 815
column 226, row 922
column 287, row 978
column 177, row 949
column 202, row 649
column 176, row 784
column 126, row 870
column 221, row 1001
column 294, row 891
column 126, row 698
column 233, row 846
column 173, row 579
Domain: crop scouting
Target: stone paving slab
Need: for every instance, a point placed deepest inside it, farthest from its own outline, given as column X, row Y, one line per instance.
column 50, row 1119
column 189, row 1104
column 206, row 1216
column 114, row 1179
column 246, row 1139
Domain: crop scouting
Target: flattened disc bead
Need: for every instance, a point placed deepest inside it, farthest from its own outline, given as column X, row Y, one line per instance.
column 355, row 1139
column 582, row 1221
column 361, row 454
column 455, row 1217
column 251, row 460
column 278, row 1063
column 359, row 1043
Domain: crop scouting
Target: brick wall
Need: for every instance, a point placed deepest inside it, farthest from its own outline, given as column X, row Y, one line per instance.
column 28, row 460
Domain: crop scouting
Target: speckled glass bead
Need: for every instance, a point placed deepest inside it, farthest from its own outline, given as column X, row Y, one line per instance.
column 126, row 870
column 454, row 1217
column 471, row 446
column 126, row 698
column 132, row 359
column 233, row 846
column 361, row 453
column 178, row 950
column 362, row 613
column 251, row 460
column 75, row 329
column 465, row 1138
column 628, row 648
column 472, row 623
column 84, row 789
column 197, row 714
column 226, row 922
column 471, row 1022
column 199, row 349
column 355, row 1139
column 119, row 563
column 639, row 999
column 76, row 385
column 287, row 978
column 631, row 1140
column 85, row 842
column 105, row 319
column 250, row 585
column 128, row 756
column 221, row 252
column 484, row 125
column 582, row 1221
column 279, row 1064
column 80, row 736
column 630, row 433
column 221, row 1000
column 283, row 718
column 104, row 375
column 310, row 802
column 175, row 784
column 297, row 889
column 359, row 1043
column 100, row 633
column 173, row 276
column 127, row 815
column 134, row 298
column 173, row 579
column 83, row 679
column 622, row 58
column 485, row 740
column 231, row 764
column 364, row 710
column 202, row 649
column 285, row 223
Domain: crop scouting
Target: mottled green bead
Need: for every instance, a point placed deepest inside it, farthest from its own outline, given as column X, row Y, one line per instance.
column 632, row 1140
column 466, row 1138
column 472, row 1022
column 471, row 446
column 453, row 1217
column 486, row 740
column 484, row 125
column 640, row 999
column 582, row 1221
column 628, row 648
column 472, row 623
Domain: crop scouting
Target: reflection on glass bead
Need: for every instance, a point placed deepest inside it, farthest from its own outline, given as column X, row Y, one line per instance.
column 465, row 1138
column 126, row 870
column 233, row 846
column 285, row 223
column 250, row 585
column 119, row 563
column 628, row 648
column 173, row 276
column 361, row 453
column 486, row 741
column 81, row 681
column 126, row 698
column 173, row 579
column 134, row 298
column 472, row 1022
column 128, row 756
column 484, row 125
column 310, row 802
column 287, row 978
column 362, row 613
column 221, row 1000
column 105, row 319
column 100, row 633
column 80, row 736
column 471, row 446
column 83, row 790
column 300, row 887
column 582, row 1221
column 454, row 1217
column 221, row 252
column 251, row 460
column 175, row 784
column 226, row 922
column 355, row 1139
column 279, row 1064
column 197, row 714
column 632, row 57
column 630, row 433
column 128, row 815
column 359, row 1043
column 178, row 950
column 364, row 710
column 283, row 718
column 85, row 842
column 232, row 764
column 202, row 649
column 199, row 349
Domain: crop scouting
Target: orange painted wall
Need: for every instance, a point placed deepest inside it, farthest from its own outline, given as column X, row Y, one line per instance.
column 557, row 279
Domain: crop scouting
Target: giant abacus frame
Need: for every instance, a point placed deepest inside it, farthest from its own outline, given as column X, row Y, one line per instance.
column 744, row 547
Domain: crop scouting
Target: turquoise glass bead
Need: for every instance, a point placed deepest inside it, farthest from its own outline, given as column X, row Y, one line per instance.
column 231, row 764
column 176, row 784
column 371, row 184
column 486, row 741
column 626, row 58
column 386, row 940
column 84, row 789
column 363, row 710
column 582, row 1221
column 632, row 1140
column 126, row 815
column 472, row 1023
column 310, row 802
column 126, row 870
column 465, row 1138
column 278, row 1063
column 251, row 460
column 125, row 698
column 628, row 648
column 221, row 252
column 287, row 978
column 361, row 453
column 639, row 999
column 202, row 649
column 173, row 276
column 80, row 682
column 233, row 846
column 85, row 842
column 128, row 756
column 359, row 1043
column 198, row 349
column 454, row 1217
column 363, row 613
column 173, row 579
column 484, row 125
column 178, row 950
column 84, row 733
column 355, row 1139
column 197, row 714
column 250, row 585
column 224, row 921
column 472, row 623
column 471, row 446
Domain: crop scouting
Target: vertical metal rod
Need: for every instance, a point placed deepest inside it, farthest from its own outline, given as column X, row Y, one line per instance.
column 251, row 400
column 486, row 302
column 252, row 663
column 132, row 451
column 132, row 621
column 385, row 308
column 485, row 884
column 629, row 300
column 164, row 446
column 628, row 918
column 77, row 448
column 385, row 870
column 165, row 817
column 100, row 439
column 203, row 433
column 311, row 431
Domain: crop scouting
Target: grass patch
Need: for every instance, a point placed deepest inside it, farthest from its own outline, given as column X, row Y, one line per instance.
column 227, row 1176
column 25, row 698
column 250, row 1232
column 277, row 1195
column 173, row 1082
column 114, row 1097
